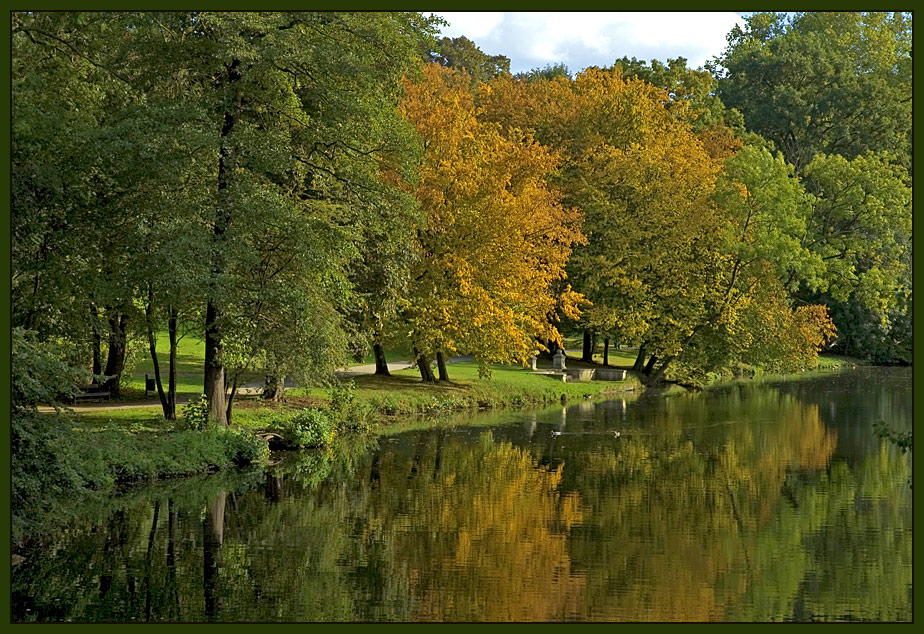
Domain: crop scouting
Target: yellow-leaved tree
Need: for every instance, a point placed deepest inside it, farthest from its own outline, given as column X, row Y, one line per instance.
column 644, row 182
column 492, row 254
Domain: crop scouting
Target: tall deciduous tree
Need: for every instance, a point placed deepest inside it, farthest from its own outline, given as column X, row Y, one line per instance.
column 861, row 229
column 462, row 54
column 274, row 150
column 833, row 92
column 307, row 110
column 823, row 82
column 643, row 180
column 496, row 237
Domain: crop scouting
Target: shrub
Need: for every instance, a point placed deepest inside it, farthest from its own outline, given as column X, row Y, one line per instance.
column 349, row 413
column 195, row 415
column 244, row 446
column 307, row 428
column 39, row 372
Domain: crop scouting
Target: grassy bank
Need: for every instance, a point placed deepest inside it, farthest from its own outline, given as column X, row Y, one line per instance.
column 86, row 454
column 404, row 393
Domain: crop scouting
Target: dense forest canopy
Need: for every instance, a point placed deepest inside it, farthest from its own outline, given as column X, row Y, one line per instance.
column 295, row 187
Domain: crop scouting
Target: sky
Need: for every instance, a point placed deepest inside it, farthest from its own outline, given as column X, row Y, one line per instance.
column 581, row 39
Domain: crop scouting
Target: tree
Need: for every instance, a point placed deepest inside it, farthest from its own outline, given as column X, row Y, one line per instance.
column 66, row 252
column 643, row 181
column 823, row 82
column 861, row 228
column 691, row 94
column 242, row 124
column 549, row 71
column 460, row 53
column 496, row 237
column 833, row 92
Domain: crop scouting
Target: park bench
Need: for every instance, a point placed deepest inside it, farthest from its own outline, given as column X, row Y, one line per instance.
column 97, row 392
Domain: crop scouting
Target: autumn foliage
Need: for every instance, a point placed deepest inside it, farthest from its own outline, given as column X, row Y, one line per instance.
column 496, row 238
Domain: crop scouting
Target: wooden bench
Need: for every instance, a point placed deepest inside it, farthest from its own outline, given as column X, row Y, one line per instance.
column 90, row 392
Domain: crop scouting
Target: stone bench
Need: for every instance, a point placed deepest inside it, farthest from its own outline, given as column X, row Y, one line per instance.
column 596, row 374
column 581, row 374
column 608, row 374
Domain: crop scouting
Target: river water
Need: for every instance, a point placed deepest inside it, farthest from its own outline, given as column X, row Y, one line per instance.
column 769, row 501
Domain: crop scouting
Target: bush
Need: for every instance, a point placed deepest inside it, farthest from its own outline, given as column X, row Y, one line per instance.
column 39, row 372
column 307, row 428
column 42, row 459
column 245, row 447
column 195, row 415
column 349, row 413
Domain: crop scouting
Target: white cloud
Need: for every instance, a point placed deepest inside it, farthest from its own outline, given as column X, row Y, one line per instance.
column 472, row 24
column 581, row 39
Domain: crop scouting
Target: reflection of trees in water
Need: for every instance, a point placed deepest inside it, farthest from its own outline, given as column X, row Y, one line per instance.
column 706, row 521
column 706, row 525
column 485, row 538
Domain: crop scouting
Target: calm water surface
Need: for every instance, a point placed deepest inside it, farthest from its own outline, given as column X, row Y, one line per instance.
column 757, row 502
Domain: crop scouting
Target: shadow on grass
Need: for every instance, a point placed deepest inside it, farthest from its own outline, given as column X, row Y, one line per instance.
column 377, row 383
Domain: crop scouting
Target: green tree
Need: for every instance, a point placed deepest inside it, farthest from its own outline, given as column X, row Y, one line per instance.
column 460, row 53
column 861, row 228
column 691, row 93
column 823, row 82
column 261, row 136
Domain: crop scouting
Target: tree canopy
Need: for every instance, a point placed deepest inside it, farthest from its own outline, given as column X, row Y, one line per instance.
column 293, row 186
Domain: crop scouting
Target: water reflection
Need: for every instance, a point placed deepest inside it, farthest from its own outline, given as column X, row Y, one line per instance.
column 736, row 505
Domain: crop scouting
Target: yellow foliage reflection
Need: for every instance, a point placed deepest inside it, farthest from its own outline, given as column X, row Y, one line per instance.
column 486, row 538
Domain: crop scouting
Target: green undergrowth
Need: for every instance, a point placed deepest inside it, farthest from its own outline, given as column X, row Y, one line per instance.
column 59, row 457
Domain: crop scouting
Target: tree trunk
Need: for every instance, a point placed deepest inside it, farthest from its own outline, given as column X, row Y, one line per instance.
column 640, row 359
column 659, row 373
column 587, row 354
column 550, row 346
column 441, row 366
column 115, row 361
column 97, row 354
column 152, row 347
column 423, row 364
column 274, row 389
column 230, row 400
column 171, row 379
column 606, row 351
column 381, row 366
column 213, row 530
column 214, row 386
column 650, row 365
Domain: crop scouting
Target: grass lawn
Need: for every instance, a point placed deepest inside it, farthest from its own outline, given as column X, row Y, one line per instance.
column 190, row 359
column 190, row 355
column 401, row 393
column 398, row 354
column 405, row 393
column 832, row 362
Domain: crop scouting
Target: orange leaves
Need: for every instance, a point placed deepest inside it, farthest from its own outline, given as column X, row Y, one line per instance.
column 497, row 237
column 815, row 328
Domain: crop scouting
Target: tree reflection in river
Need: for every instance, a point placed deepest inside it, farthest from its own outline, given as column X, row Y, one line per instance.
column 735, row 505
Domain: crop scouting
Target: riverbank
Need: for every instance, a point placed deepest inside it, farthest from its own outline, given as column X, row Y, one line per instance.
column 86, row 453
column 100, row 447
